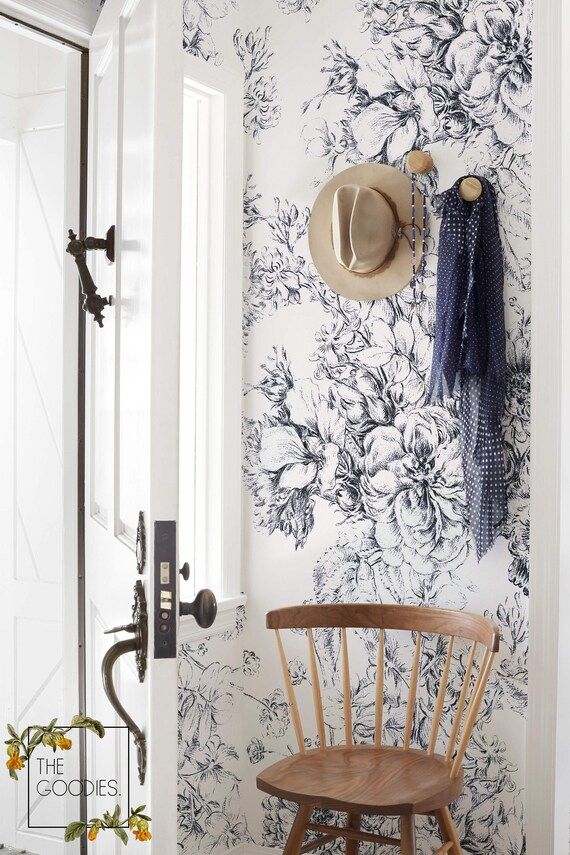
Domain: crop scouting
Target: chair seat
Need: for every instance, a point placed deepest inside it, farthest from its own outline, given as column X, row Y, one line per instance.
column 364, row 779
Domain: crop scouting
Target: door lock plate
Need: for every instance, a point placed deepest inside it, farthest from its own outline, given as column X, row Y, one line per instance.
column 165, row 616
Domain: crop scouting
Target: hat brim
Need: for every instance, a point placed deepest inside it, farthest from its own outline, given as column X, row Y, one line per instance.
column 396, row 271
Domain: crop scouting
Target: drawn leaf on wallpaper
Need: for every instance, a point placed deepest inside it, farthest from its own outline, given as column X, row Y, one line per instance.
column 514, row 207
column 261, row 109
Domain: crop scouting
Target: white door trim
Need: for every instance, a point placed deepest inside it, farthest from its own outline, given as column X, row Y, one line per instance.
column 69, row 18
column 547, row 401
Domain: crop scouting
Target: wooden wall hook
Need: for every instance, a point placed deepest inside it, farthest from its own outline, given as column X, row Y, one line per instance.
column 470, row 189
column 419, row 161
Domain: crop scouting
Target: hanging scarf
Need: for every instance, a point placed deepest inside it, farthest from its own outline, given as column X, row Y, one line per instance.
column 469, row 350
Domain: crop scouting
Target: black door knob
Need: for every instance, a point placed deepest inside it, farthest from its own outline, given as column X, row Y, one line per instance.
column 203, row 609
column 185, row 571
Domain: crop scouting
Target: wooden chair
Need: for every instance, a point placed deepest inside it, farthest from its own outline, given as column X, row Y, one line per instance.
column 376, row 778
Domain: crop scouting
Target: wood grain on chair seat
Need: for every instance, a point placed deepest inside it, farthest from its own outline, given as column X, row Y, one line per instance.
column 364, row 779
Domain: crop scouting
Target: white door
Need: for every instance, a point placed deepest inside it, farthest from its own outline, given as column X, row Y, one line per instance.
column 39, row 162
column 132, row 365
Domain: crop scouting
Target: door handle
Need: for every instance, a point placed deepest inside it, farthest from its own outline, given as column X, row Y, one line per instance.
column 203, row 608
column 137, row 645
column 92, row 301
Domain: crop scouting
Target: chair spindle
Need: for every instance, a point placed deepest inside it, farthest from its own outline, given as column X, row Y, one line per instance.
column 347, row 700
column 473, row 710
column 413, row 691
column 316, row 686
column 461, row 704
column 379, row 700
column 290, row 692
column 440, row 697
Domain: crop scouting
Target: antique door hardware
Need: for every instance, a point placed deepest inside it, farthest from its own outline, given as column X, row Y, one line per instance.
column 137, row 645
column 166, row 606
column 203, row 608
column 92, row 302
column 141, row 544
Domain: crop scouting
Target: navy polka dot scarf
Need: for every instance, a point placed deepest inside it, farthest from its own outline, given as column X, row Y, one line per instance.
column 469, row 350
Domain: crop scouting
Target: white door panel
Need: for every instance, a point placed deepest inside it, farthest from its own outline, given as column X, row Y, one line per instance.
column 132, row 382
column 38, row 474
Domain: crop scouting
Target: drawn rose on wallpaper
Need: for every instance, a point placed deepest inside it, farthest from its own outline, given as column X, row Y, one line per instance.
column 412, row 486
column 490, row 64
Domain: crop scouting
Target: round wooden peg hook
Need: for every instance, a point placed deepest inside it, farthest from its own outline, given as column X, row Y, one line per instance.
column 419, row 161
column 470, row 189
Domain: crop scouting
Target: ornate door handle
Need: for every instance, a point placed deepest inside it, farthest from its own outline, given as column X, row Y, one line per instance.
column 92, row 302
column 137, row 645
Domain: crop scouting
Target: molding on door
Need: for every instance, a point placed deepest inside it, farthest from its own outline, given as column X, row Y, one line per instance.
column 189, row 632
column 546, row 399
column 69, row 18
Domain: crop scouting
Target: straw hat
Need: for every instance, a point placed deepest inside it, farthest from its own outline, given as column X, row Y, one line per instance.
column 359, row 231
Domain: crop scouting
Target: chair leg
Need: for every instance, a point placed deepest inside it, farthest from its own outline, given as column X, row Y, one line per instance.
column 297, row 833
column 354, row 824
column 408, row 834
column 448, row 830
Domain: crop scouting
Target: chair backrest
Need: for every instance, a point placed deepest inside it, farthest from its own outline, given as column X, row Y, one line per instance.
column 453, row 625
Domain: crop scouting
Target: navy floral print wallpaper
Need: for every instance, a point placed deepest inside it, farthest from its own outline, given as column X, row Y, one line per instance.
column 353, row 484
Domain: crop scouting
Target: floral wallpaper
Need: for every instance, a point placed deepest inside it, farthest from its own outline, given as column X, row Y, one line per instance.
column 353, row 485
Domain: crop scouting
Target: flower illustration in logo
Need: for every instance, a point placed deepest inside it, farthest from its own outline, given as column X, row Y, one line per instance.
column 402, row 106
column 142, row 832
column 413, row 487
column 14, row 762
column 491, row 64
column 62, row 742
column 94, row 831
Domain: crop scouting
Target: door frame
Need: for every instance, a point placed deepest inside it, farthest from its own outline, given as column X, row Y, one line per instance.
column 67, row 21
column 53, row 18
column 548, row 739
